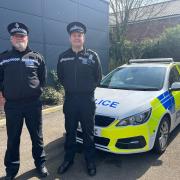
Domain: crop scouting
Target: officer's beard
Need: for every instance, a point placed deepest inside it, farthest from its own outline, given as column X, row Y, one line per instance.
column 20, row 46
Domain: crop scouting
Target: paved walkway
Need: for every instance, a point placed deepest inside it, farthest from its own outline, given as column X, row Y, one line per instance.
column 146, row 166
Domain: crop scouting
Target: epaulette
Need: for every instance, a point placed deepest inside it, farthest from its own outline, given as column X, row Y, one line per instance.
column 38, row 54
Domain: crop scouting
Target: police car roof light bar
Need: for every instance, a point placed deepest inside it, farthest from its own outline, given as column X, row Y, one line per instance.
column 153, row 60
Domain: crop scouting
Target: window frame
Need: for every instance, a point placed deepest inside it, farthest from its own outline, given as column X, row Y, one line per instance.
column 176, row 71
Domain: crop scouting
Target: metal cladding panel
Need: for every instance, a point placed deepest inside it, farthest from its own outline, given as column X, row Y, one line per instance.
column 47, row 21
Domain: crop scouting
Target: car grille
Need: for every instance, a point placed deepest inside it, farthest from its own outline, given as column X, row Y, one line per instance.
column 103, row 121
column 98, row 140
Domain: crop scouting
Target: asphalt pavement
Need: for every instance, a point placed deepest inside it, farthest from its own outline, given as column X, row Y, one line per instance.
column 144, row 166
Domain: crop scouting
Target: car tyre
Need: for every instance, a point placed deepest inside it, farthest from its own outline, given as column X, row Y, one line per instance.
column 162, row 136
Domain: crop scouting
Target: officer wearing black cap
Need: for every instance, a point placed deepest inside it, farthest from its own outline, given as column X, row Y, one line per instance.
column 22, row 76
column 79, row 71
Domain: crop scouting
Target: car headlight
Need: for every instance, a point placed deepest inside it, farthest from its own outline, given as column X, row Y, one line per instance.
column 136, row 119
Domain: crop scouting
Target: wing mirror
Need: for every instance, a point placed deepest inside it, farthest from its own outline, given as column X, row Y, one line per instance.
column 175, row 86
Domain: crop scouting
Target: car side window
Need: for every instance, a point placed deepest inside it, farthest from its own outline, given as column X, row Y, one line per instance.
column 174, row 76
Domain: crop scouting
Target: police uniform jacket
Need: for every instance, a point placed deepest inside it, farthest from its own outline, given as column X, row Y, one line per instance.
column 79, row 72
column 22, row 74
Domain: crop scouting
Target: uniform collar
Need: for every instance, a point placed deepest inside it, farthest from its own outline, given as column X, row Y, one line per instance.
column 80, row 52
column 23, row 52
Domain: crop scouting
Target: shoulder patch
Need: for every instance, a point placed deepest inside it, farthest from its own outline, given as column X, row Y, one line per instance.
column 91, row 51
column 38, row 55
column 92, row 54
column 35, row 52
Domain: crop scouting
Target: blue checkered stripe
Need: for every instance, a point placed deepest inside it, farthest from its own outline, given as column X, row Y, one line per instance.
column 168, row 101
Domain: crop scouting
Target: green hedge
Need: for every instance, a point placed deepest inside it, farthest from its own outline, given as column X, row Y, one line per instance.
column 166, row 46
column 52, row 94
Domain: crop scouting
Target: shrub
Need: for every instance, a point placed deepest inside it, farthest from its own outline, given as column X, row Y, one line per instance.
column 50, row 96
column 54, row 80
column 166, row 46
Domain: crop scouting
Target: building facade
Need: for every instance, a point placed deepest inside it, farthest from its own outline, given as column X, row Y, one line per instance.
column 151, row 21
column 47, row 21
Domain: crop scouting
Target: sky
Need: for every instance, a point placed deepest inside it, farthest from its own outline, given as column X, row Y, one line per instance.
column 149, row 2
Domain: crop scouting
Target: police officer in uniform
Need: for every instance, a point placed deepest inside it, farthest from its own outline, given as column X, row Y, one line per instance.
column 22, row 76
column 79, row 71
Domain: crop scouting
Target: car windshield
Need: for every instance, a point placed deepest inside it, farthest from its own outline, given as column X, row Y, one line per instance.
column 135, row 78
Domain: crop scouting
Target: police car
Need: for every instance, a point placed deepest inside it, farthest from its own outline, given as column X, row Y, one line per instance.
column 137, row 106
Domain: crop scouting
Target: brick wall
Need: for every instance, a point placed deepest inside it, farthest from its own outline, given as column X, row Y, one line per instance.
column 142, row 30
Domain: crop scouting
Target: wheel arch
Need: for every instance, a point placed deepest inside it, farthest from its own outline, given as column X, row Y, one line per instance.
column 168, row 116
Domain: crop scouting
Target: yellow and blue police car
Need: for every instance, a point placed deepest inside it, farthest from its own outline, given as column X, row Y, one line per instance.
column 137, row 107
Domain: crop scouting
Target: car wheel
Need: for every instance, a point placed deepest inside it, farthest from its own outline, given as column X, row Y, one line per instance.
column 162, row 136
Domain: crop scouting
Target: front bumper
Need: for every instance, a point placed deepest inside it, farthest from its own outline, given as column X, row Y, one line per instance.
column 122, row 140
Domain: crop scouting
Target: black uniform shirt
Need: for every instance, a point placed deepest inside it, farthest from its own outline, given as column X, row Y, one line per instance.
column 22, row 74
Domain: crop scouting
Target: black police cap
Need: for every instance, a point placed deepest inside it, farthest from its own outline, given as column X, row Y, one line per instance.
column 17, row 28
column 76, row 27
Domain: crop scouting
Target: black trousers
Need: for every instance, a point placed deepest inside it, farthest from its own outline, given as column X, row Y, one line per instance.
column 79, row 108
column 16, row 113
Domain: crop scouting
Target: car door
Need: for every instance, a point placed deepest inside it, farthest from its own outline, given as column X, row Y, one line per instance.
column 174, row 76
